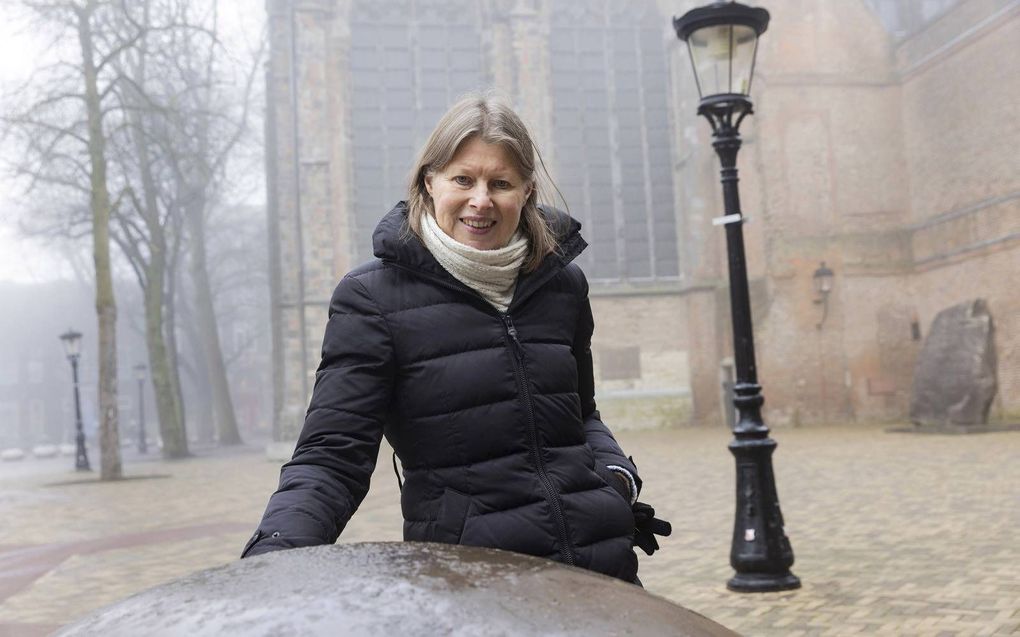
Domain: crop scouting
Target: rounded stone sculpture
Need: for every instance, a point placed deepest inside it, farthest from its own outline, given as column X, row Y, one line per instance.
column 395, row 588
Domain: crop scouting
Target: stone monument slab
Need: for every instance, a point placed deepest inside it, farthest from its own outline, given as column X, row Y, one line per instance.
column 955, row 377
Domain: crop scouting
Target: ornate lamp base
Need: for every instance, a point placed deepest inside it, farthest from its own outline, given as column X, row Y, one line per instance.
column 763, row 582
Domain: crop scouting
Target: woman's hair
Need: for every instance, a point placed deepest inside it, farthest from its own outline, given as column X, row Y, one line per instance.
column 490, row 118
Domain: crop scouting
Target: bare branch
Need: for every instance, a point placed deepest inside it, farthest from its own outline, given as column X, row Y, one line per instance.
column 25, row 121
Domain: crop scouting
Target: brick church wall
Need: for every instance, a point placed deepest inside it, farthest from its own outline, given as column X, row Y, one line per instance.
column 893, row 161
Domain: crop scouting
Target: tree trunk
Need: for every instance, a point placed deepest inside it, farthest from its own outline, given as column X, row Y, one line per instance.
column 223, row 406
column 168, row 401
column 106, row 307
column 173, row 351
column 201, row 402
column 171, row 427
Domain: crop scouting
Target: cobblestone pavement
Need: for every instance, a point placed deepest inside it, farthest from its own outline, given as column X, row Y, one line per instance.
column 895, row 534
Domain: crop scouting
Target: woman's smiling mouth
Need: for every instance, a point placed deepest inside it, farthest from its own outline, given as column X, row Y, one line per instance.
column 478, row 224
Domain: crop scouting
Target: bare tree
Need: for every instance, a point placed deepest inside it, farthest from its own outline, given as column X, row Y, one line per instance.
column 208, row 130
column 64, row 133
column 157, row 123
column 147, row 219
column 186, row 120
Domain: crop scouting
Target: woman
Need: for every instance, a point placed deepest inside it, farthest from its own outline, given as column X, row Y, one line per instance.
column 467, row 343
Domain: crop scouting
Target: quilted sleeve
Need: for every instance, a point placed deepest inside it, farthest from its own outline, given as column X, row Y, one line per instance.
column 328, row 476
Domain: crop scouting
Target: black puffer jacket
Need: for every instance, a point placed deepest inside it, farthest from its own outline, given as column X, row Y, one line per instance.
column 492, row 415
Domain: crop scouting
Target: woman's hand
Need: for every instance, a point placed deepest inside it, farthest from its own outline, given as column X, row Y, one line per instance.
column 647, row 526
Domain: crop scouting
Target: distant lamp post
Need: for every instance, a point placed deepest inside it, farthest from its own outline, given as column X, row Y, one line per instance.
column 140, row 375
column 822, row 279
column 72, row 347
column 722, row 39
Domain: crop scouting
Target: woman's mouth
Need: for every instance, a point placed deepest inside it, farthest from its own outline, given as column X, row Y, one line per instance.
column 478, row 225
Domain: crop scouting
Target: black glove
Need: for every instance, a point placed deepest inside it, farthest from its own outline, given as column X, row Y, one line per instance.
column 647, row 526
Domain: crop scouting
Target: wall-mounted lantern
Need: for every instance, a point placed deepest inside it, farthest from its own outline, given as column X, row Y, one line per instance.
column 823, row 286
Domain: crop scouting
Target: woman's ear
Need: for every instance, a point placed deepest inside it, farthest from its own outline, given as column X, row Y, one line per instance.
column 530, row 188
column 428, row 183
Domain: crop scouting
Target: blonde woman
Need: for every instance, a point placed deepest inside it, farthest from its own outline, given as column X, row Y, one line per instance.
column 466, row 342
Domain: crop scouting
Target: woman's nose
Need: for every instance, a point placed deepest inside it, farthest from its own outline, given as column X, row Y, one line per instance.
column 480, row 199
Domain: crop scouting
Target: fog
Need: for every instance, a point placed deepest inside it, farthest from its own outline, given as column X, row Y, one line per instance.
column 47, row 272
column 849, row 99
column 184, row 182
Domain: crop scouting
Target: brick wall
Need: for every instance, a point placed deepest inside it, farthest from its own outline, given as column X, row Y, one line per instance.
column 893, row 161
column 641, row 365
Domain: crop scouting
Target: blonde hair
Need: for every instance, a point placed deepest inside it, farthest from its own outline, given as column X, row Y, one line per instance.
column 490, row 118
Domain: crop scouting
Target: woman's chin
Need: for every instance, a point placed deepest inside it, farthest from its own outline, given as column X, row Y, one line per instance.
column 477, row 242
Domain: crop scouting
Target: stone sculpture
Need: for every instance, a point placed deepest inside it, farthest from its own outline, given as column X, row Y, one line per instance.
column 955, row 378
column 395, row 588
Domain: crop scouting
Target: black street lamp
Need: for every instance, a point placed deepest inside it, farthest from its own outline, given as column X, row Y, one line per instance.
column 722, row 39
column 140, row 375
column 72, row 347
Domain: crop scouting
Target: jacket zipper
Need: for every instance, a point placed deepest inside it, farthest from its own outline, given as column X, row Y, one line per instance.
column 522, row 379
column 543, row 476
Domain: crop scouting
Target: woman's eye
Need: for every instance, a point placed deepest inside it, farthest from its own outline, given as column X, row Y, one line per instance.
column 502, row 184
column 462, row 180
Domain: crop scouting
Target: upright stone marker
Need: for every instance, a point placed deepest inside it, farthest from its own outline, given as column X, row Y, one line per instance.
column 955, row 378
column 395, row 588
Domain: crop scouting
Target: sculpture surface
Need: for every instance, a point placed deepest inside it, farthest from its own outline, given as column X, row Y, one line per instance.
column 398, row 588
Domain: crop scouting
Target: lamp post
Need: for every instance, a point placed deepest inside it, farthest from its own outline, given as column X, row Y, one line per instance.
column 140, row 375
column 722, row 40
column 72, row 347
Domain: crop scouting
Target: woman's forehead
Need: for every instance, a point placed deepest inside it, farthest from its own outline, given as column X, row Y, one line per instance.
column 477, row 154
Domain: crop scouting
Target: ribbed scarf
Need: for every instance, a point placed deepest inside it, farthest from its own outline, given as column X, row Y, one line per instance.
column 491, row 273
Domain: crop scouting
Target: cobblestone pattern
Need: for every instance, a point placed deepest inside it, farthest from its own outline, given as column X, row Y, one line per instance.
column 895, row 534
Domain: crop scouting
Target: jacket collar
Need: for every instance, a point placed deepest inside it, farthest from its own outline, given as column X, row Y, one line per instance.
column 393, row 242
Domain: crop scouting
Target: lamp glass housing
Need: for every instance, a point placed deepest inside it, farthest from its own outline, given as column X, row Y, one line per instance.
column 723, row 58
column 72, row 343
column 823, row 280
column 140, row 371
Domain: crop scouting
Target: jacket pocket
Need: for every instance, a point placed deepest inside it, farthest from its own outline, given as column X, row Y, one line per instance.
column 612, row 480
column 453, row 510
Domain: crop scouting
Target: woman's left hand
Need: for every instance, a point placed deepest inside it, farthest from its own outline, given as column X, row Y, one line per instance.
column 647, row 526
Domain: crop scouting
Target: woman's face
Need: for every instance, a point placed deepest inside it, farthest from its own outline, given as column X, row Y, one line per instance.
column 478, row 197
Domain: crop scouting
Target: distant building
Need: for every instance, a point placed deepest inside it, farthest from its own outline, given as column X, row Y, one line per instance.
column 36, row 389
column 883, row 144
column 36, row 392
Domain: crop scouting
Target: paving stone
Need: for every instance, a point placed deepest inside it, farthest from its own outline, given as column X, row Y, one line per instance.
column 894, row 534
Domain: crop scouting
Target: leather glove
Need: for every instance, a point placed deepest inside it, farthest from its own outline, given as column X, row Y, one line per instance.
column 647, row 526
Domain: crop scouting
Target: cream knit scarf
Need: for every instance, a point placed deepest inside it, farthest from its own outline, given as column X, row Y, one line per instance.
column 491, row 273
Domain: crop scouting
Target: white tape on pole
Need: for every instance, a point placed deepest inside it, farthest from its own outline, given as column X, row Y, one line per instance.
column 722, row 221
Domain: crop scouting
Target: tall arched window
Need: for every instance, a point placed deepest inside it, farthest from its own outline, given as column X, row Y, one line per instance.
column 409, row 60
column 608, row 62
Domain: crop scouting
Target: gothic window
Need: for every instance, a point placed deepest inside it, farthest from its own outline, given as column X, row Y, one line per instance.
column 409, row 60
column 903, row 19
column 611, row 135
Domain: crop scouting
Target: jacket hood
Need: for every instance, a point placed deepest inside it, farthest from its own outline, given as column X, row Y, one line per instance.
column 393, row 241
